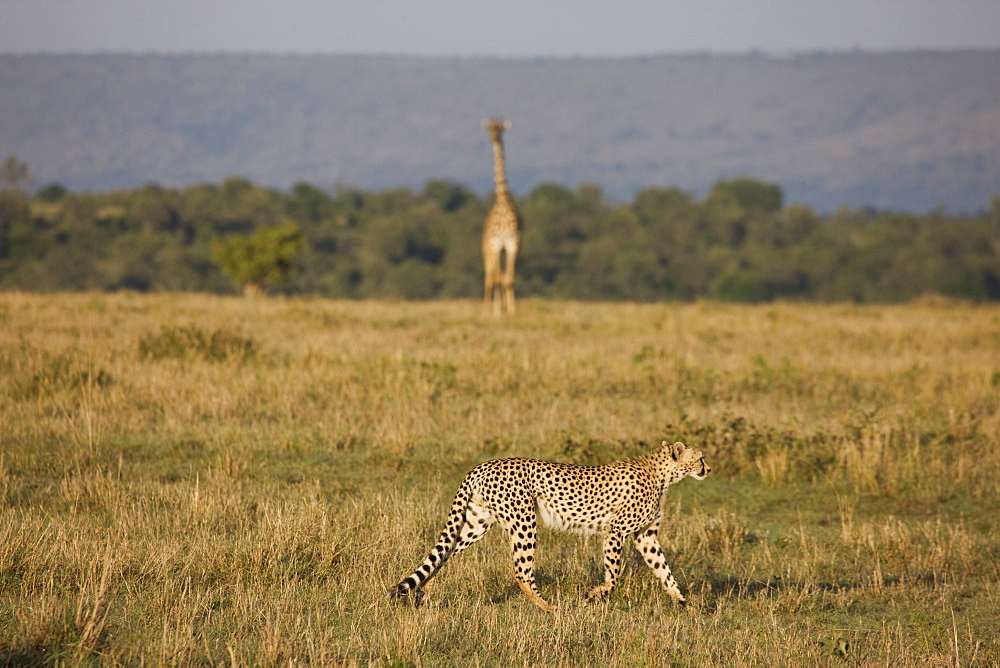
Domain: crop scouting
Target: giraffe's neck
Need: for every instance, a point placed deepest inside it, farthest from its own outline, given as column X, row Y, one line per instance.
column 498, row 171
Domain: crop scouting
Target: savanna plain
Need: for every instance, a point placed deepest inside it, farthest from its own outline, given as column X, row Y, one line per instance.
column 191, row 479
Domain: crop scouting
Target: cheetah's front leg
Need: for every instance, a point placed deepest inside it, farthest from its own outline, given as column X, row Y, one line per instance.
column 612, row 565
column 648, row 545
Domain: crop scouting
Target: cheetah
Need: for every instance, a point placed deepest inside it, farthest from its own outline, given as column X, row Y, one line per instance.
column 614, row 501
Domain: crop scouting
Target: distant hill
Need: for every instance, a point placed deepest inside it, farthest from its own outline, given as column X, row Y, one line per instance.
column 905, row 131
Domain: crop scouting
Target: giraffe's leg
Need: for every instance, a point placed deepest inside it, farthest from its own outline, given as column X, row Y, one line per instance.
column 491, row 278
column 648, row 545
column 508, row 278
column 522, row 542
column 612, row 564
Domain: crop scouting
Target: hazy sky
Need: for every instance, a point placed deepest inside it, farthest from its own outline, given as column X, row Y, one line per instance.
column 505, row 28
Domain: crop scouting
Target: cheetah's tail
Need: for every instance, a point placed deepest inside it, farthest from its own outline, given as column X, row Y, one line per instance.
column 443, row 549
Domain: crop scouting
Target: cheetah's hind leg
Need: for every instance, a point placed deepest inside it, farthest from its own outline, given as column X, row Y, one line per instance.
column 467, row 523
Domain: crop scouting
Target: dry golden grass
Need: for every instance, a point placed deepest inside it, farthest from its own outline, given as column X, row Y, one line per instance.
column 195, row 479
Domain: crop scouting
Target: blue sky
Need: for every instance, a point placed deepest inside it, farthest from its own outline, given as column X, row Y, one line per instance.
column 507, row 28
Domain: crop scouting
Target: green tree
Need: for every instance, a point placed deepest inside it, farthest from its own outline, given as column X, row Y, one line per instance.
column 153, row 208
column 750, row 194
column 238, row 206
column 260, row 260
column 13, row 211
column 739, row 286
column 655, row 204
column 447, row 195
column 15, row 174
column 53, row 192
column 798, row 222
column 309, row 204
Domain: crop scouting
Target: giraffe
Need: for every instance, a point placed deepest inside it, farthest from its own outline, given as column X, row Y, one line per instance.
column 501, row 232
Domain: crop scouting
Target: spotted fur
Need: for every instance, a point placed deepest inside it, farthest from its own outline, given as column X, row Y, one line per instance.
column 615, row 501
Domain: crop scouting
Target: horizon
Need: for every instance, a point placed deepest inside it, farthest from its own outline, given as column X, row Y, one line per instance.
column 521, row 29
column 750, row 53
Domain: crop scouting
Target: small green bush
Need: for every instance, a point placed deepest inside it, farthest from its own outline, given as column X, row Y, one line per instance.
column 195, row 343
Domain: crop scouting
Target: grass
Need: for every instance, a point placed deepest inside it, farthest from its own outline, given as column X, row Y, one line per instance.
column 196, row 479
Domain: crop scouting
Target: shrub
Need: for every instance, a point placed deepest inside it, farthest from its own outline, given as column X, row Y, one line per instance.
column 186, row 343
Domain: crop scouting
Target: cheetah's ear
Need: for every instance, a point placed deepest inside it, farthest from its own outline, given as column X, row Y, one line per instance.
column 675, row 449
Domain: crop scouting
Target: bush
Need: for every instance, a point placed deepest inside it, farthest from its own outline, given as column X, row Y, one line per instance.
column 739, row 287
column 187, row 343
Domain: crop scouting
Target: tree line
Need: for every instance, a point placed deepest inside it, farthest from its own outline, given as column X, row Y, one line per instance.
column 740, row 242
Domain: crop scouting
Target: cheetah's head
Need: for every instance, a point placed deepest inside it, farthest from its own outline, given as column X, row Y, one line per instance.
column 690, row 459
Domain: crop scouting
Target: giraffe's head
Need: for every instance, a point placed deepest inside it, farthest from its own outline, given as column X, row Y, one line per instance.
column 495, row 127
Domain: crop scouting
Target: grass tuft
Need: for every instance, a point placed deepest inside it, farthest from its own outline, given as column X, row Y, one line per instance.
column 195, row 343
